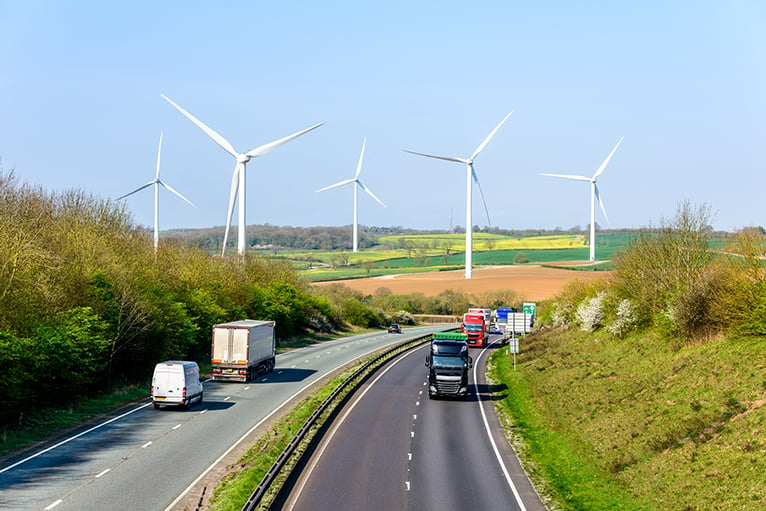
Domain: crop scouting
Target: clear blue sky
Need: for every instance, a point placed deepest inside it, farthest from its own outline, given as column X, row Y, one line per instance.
column 683, row 81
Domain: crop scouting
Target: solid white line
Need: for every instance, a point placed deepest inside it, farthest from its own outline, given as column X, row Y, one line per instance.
column 492, row 440
column 59, row 501
column 335, row 427
column 147, row 444
column 227, row 398
column 176, row 427
column 35, row 455
column 103, row 472
column 235, row 444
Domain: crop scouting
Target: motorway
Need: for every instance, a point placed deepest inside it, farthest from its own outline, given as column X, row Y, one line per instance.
column 394, row 448
column 148, row 459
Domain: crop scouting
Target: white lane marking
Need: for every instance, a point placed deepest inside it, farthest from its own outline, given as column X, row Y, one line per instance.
column 176, row 427
column 147, row 444
column 235, row 444
column 335, row 427
column 293, row 366
column 103, row 472
column 59, row 501
column 246, row 387
column 227, row 398
column 414, row 416
column 407, row 484
column 409, row 456
column 203, row 411
column 412, row 434
column 73, row 438
column 492, row 440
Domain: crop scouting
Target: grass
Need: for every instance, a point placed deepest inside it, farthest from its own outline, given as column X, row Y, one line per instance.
column 639, row 423
column 44, row 422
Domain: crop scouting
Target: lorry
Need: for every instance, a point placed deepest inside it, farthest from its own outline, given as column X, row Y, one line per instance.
column 448, row 364
column 487, row 313
column 243, row 349
column 176, row 383
column 475, row 328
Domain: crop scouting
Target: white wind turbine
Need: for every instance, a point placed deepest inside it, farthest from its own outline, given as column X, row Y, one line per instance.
column 357, row 184
column 157, row 182
column 470, row 175
column 594, row 195
column 238, row 178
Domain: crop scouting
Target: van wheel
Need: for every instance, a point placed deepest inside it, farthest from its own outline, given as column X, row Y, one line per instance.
column 156, row 406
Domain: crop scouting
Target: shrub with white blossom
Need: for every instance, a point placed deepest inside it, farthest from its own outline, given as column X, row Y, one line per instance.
column 590, row 314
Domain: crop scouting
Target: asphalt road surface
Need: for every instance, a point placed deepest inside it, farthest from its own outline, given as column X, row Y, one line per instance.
column 147, row 459
column 393, row 448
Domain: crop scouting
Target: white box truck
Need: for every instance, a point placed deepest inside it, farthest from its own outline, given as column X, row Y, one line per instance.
column 176, row 383
column 243, row 349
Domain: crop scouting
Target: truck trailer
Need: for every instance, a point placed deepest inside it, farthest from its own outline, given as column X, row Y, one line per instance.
column 243, row 349
column 475, row 328
column 448, row 364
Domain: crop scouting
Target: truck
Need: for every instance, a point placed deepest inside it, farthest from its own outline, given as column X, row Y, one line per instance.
column 243, row 349
column 176, row 383
column 475, row 328
column 487, row 313
column 448, row 364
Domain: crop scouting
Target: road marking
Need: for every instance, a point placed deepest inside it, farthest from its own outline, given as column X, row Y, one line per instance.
column 412, row 434
column 492, row 440
column 264, row 380
column 103, row 472
column 35, row 455
column 59, row 501
column 407, row 484
column 280, row 372
column 147, row 444
column 246, row 387
column 409, row 456
column 227, row 398
column 176, row 427
column 414, row 416
column 203, row 411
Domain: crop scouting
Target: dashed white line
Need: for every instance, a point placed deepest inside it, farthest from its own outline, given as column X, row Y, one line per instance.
column 203, row 411
column 414, row 416
column 59, row 501
column 407, row 485
column 147, row 444
column 176, row 427
column 103, row 472
column 246, row 387
column 227, row 398
column 409, row 456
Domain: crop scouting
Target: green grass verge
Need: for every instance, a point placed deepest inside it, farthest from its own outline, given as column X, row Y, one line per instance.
column 642, row 422
column 44, row 422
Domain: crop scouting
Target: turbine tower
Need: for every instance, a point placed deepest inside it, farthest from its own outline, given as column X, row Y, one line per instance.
column 470, row 175
column 240, row 168
column 157, row 182
column 357, row 184
column 594, row 195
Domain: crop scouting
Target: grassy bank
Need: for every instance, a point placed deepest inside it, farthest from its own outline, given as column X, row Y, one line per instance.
column 638, row 423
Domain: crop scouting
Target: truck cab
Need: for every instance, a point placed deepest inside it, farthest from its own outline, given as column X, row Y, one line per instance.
column 448, row 364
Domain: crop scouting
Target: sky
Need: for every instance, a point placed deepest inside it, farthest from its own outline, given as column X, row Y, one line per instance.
column 684, row 82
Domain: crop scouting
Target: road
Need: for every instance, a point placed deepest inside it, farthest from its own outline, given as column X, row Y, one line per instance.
column 147, row 458
column 394, row 448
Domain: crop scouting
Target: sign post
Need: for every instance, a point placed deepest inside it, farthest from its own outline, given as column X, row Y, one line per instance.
column 513, row 347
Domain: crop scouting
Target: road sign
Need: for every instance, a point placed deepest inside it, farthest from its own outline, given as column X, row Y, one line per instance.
column 529, row 308
column 514, row 345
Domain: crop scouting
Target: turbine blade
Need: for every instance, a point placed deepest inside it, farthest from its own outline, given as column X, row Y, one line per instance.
column 232, row 199
column 448, row 158
column 361, row 157
column 476, row 180
column 486, row 140
column 170, row 189
column 606, row 162
column 601, row 203
column 341, row 183
column 204, row 127
column 159, row 150
column 150, row 183
column 567, row 176
column 369, row 192
column 265, row 148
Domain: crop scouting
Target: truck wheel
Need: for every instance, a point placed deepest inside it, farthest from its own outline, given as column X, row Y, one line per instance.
column 156, row 406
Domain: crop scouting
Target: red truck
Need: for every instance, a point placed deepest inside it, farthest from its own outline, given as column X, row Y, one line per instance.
column 475, row 328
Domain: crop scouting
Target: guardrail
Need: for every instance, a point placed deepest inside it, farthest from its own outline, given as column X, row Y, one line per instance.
column 356, row 379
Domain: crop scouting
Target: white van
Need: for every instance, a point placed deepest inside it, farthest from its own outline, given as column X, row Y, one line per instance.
column 176, row 383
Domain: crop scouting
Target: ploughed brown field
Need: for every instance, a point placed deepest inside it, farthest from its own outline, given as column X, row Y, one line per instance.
column 529, row 281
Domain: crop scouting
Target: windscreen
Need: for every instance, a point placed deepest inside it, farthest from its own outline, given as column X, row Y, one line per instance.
column 472, row 327
column 445, row 361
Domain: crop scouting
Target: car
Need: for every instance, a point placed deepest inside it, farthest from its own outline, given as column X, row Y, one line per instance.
column 393, row 328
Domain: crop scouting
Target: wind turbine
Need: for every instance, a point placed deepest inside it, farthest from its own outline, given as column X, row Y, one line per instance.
column 470, row 175
column 157, row 182
column 240, row 168
column 357, row 184
column 594, row 195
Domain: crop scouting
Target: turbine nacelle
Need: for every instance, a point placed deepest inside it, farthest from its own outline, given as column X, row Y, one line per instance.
column 243, row 158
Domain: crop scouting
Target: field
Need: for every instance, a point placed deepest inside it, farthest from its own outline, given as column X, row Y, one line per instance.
column 532, row 282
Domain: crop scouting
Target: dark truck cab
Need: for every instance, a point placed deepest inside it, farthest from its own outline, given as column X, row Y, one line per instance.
column 448, row 364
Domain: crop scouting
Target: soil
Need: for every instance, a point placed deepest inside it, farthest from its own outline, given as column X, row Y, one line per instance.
column 531, row 282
